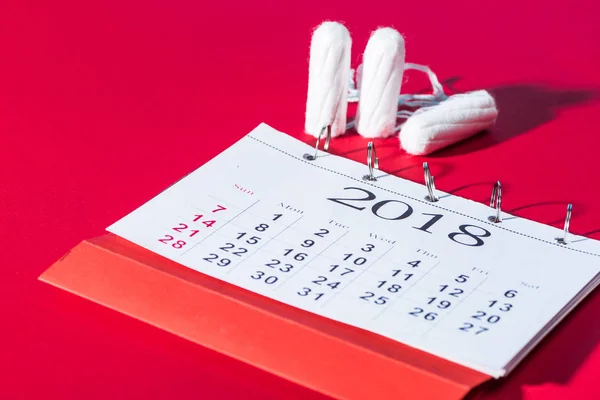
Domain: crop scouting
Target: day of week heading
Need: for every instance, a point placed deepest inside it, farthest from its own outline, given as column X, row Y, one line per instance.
column 376, row 236
column 290, row 208
column 338, row 224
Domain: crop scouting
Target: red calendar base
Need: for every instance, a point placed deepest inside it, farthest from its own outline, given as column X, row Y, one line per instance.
column 329, row 357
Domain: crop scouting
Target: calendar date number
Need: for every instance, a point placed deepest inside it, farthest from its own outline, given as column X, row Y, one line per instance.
column 215, row 258
column 421, row 313
column 308, row 292
column 372, row 297
column 170, row 240
column 264, row 277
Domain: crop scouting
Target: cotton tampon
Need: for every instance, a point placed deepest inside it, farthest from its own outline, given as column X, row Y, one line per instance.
column 380, row 83
column 454, row 119
column 328, row 76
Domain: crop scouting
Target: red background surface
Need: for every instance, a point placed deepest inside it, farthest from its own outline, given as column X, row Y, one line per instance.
column 104, row 105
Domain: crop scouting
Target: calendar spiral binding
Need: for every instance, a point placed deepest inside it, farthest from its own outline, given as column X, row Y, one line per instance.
column 327, row 129
column 373, row 164
column 563, row 240
column 429, row 183
column 496, row 202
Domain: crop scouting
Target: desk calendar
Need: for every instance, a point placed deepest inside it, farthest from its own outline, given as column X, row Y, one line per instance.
column 313, row 234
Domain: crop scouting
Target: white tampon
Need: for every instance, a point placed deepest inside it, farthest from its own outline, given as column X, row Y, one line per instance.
column 328, row 75
column 380, row 83
column 454, row 119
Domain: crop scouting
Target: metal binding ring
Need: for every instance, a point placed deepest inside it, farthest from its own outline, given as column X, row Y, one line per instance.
column 563, row 240
column 429, row 183
column 496, row 202
column 372, row 162
column 327, row 128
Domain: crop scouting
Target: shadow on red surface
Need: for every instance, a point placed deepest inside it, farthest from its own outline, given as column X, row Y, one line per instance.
column 521, row 108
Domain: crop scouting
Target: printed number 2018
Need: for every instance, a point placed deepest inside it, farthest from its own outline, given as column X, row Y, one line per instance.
column 464, row 236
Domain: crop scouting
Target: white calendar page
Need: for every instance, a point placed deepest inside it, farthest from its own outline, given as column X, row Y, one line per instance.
column 313, row 234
